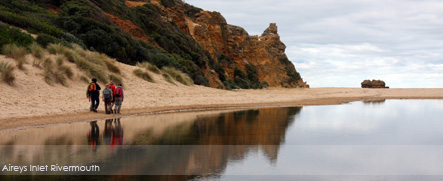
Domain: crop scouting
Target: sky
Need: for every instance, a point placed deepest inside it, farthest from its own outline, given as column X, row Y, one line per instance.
column 340, row 43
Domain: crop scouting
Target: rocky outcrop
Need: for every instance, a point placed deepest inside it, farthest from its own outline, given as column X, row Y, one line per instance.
column 231, row 46
column 373, row 84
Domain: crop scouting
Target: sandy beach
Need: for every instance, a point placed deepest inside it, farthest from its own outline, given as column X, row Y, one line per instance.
column 32, row 102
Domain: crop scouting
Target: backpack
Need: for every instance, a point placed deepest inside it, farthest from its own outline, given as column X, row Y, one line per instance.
column 92, row 87
column 118, row 92
column 107, row 93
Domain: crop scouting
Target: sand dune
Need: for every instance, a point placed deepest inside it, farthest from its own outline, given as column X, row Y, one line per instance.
column 31, row 101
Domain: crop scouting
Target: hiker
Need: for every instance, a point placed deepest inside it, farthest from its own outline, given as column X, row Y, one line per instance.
column 112, row 87
column 93, row 93
column 107, row 98
column 119, row 96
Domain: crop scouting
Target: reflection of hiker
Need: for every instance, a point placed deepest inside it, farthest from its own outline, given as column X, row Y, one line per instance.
column 112, row 87
column 117, row 136
column 119, row 96
column 93, row 134
column 93, row 93
column 107, row 98
column 107, row 134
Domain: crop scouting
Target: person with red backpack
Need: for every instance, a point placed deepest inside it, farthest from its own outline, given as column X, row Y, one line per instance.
column 119, row 96
column 93, row 93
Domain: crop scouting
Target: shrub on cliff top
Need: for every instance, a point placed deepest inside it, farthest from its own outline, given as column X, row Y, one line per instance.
column 9, row 35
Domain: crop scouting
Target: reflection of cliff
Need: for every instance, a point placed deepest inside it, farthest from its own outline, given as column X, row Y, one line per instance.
column 201, row 146
column 211, row 142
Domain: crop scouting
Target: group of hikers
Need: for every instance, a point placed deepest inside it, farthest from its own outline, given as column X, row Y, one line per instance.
column 111, row 96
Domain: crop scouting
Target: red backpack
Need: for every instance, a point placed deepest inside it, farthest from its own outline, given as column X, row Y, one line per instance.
column 118, row 92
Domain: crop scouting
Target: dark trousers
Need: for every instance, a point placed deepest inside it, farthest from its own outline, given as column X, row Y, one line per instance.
column 108, row 108
column 95, row 101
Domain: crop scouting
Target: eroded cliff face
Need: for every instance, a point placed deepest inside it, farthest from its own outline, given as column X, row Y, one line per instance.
column 231, row 46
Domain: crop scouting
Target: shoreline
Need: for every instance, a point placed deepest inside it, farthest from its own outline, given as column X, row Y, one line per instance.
column 327, row 98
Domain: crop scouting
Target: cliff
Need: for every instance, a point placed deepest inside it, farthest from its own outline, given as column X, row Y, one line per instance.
column 231, row 46
column 167, row 33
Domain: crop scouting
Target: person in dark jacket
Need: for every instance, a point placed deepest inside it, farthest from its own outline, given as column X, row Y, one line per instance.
column 93, row 93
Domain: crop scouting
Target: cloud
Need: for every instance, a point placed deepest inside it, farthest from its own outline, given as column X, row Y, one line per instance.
column 349, row 41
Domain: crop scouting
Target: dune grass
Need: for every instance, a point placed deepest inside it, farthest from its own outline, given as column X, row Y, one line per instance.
column 111, row 67
column 66, row 71
column 115, row 78
column 56, row 48
column 150, row 67
column 59, row 59
column 168, row 78
column 37, row 51
column 144, row 75
column 94, row 64
column 56, row 72
column 84, row 79
column 37, row 62
column 13, row 51
column 6, row 71
column 17, row 53
column 178, row 75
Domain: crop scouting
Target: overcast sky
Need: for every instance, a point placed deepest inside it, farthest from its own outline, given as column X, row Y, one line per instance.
column 340, row 43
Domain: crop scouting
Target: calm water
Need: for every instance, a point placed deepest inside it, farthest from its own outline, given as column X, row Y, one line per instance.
column 371, row 140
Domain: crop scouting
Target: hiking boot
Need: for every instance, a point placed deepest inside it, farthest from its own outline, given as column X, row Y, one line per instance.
column 95, row 110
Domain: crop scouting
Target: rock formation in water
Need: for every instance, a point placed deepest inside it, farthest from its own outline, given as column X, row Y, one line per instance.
column 373, row 84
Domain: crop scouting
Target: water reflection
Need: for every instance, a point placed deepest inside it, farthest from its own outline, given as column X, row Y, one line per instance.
column 374, row 101
column 93, row 135
column 113, row 133
column 392, row 138
column 199, row 144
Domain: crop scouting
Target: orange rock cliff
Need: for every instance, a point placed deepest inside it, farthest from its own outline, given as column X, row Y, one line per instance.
column 231, row 46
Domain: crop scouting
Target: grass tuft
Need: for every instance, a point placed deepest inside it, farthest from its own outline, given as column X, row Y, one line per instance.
column 36, row 50
column 111, row 67
column 84, row 79
column 149, row 67
column 178, row 75
column 13, row 51
column 56, row 48
column 168, row 78
column 92, row 70
column 6, row 70
column 59, row 77
column 37, row 62
column 144, row 75
column 116, row 79
column 20, row 63
column 66, row 71
column 60, row 59
column 70, row 55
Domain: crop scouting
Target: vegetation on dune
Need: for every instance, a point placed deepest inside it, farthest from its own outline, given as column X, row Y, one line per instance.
column 144, row 75
column 178, row 75
column 14, row 51
column 9, row 35
column 6, row 71
column 36, row 50
column 18, row 53
column 150, row 67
